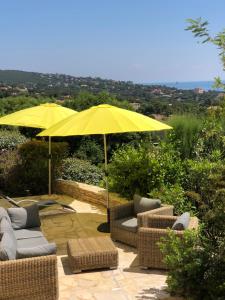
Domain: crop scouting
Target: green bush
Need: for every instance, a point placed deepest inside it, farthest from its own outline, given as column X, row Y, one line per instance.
column 81, row 171
column 204, row 178
column 185, row 262
column 26, row 170
column 9, row 162
column 185, row 134
column 10, row 139
column 196, row 262
column 174, row 195
column 142, row 169
column 89, row 150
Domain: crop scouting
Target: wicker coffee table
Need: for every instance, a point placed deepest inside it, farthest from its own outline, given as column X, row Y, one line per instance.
column 92, row 253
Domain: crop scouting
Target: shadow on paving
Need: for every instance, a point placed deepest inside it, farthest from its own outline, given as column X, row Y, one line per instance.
column 62, row 227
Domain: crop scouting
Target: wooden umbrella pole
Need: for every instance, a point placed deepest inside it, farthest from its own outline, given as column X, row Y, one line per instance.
column 49, row 167
column 106, row 178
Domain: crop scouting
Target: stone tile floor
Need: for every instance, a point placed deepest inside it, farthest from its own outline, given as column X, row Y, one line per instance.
column 125, row 283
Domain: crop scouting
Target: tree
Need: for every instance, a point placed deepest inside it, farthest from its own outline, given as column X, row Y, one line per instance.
column 200, row 30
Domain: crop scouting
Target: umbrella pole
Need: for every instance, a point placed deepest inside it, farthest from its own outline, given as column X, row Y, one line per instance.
column 49, row 167
column 106, row 179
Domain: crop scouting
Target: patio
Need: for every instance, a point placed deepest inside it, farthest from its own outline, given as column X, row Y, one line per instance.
column 126, row 282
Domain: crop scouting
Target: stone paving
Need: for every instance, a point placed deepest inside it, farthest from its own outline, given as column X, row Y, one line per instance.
column 125, row 283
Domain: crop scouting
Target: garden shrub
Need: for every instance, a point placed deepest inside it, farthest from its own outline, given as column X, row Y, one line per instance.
column 10, row 139
column 174, row 195
column 29, row 174
column 142, row 169
column 185, row 134
column 130, row 171
column 203, row 178
column 196, row 262
column 90, row 150
column 81, row 171
column 9, row 162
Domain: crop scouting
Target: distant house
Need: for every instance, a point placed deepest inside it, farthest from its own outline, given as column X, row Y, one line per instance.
column 135, row 105
column 199, row 91
column 157, row 92
column 158, row 117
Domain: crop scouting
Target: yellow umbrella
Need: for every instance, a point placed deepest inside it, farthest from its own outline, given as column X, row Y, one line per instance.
column 104, row 119
column 41, row 116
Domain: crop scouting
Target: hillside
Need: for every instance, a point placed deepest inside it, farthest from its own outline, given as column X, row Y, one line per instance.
column 144, row 98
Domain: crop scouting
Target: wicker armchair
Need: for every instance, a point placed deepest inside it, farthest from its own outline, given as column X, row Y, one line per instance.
column 127, row 210
column 155, row 228
column 30, row 278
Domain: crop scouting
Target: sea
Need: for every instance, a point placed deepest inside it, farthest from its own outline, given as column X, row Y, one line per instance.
column 188, row 85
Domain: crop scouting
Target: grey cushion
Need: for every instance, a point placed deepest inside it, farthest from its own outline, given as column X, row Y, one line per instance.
column 5, row 225
column 31, row 242
column 41, row 250
column 142, row 204
column 24, row 217
column 3, row 213
column 28, row 233
column 182, row 222
column 129, row 224
column 8, row 246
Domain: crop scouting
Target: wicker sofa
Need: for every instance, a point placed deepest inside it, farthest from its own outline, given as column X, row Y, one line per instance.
column 155, row 228
column 129, row 235
column 30, row 273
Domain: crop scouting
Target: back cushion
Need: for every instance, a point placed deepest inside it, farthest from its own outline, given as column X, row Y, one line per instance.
column 5, row 225
column 142, row 204
column 8, row 246
column 182, row 222
column 24, row 217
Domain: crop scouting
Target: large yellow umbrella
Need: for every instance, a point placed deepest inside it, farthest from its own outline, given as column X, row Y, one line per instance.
column 104, row 119
column 41, row 116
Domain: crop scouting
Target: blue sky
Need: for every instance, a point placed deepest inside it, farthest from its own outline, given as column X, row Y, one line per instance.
column 138, row 40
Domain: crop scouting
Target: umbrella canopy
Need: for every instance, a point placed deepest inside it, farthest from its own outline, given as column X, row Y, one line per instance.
column 41, row 116
column 104, row 119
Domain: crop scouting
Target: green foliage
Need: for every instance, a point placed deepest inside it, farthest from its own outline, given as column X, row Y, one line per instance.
column 185, row 261
column 85, row 100
column 174, row 195
column 89, row 150
column 129, row 171
column 204, row 178
column 143, row 168
column 81, row 171
column 185, row 134
column 29, row 168
column 12, row 104
column 9, row 161
column 10, row 139
column 199, row 28
column 196, row 262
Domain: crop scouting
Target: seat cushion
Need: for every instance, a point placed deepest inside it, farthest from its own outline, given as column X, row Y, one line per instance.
column 8, row 246
column 31, row 242
column 41, row 250
column 129, row 224
column 182, row 222
column 24, row 217
column 28, row 233
column 142, row 204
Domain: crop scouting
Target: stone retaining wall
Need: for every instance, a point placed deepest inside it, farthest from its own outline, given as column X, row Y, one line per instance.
column 86, row 192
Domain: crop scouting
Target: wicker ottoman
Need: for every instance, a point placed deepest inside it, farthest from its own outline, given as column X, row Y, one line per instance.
column 92, row 253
